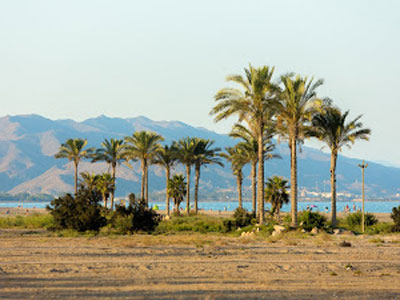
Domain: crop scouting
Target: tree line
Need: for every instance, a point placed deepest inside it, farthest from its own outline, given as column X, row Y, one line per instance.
column 287, row 108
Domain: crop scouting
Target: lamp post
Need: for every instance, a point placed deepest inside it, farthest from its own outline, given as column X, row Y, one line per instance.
column 363, row 166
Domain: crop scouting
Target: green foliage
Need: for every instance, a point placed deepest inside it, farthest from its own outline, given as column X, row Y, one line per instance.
column 353, row 220
column 196, row 223
column 81, row 213
column 34, row 221
column 136, row 217
column 395, row 215
column 242, row 217
column 309, row 220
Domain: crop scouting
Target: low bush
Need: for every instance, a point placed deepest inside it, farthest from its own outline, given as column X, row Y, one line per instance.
column 241, row 218
column 136, row 217
column 353, row 220
column 308, row 220
column 395, row 215
column 198, row 223
column 34, row 221
column 81, row 213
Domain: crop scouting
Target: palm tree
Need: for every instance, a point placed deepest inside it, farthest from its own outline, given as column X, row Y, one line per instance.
column 73, row 150
column 105, row 186
column 113, row 152
column 204, row 155
column 330, row 126
column 167, row 158
column 297, row 103
column 238, row 158
column 144, row 146
column 89, row 181
column 276, row 194
column 186, row 155
column 176, row 190
column 252, row 104
column 250, row 145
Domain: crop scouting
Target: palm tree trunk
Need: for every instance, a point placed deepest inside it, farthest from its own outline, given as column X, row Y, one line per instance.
column 113, row 166
column 260, row 196
column 146, row 185
column 76, row 178
column 254, row 185
column 142, row 184
column 293, row 179
column 196, row 187
column 177, row 207
column 167, row 171
column 239, row 181
column 188, row 188
column 333, row 186
column 104, row 199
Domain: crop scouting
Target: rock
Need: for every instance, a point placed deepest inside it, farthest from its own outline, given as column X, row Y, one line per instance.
column 315, row 230
column 337, row 231
column 246, row 234
column 303, row 231
column 279, row 228
column 166, row 218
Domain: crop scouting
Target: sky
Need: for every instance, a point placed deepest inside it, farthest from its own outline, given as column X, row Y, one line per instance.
column 166, row 59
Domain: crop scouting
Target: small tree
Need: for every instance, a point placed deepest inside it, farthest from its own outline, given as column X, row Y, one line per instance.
column 395, row 215
column 81, row 213
column 177, row 190
column 276, row 194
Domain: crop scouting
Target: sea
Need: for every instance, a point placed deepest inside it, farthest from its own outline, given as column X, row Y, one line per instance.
column 381, row 206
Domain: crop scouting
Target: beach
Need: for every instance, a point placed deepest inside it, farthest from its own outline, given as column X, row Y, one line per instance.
column 34, row 265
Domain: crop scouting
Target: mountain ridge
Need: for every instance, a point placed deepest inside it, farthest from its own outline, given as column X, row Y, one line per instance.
column 28, row 143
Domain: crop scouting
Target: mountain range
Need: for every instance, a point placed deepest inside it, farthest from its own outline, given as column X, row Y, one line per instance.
column 28, row 144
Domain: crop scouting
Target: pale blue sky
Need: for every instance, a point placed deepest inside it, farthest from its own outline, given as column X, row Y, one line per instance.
column 166, row 59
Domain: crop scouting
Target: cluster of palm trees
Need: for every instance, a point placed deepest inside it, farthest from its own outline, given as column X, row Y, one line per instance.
column 290, row 109
column 145, row 147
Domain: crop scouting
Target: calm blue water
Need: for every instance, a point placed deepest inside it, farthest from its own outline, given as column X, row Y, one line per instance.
column 370, row 206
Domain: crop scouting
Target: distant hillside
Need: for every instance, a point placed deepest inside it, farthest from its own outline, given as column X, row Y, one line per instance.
column 28, row 144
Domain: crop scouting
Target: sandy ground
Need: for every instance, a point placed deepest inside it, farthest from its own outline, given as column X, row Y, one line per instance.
column 35, row 265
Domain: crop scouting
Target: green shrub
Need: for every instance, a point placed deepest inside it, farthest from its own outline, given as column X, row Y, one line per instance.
column 353, row 220
column 136, row 217
column 242, row 217
column 198, row 223
column 34, row 221
column 81, row 213
column 308, row 220
column 395, row 215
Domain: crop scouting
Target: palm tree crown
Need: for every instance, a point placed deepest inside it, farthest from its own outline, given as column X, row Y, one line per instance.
column 167, row 158
column 297, row 103
column 144, row 146
column 238, row 158
column 331, row 127
column 252, row 104
column 186, row 148
column 72, row 149
column 204, row 155
column 113, row 152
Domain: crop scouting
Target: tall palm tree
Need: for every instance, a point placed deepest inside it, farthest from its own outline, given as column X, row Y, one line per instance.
column 252, row 104
column 113, row 152
column 186, row 155
column 331, row 127
column 89, row 181
column 167, row 158
column 298, row 101
column 144, row 146
column 176, row 190
column 238, row 158
column 250, row 145
column 204, row 155
column 73, row 149
column 104, row 185
column 276, row 194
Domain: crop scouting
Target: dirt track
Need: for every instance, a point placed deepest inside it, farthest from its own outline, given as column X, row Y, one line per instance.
column 196, row 266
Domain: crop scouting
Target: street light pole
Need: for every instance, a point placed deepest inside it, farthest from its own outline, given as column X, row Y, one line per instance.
column 363, row 166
